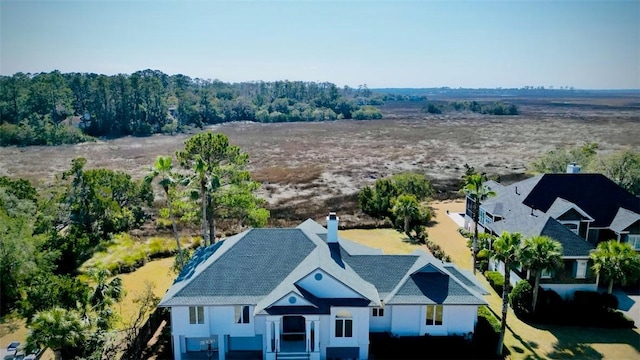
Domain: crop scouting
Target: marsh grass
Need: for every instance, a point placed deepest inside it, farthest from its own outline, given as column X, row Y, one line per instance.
column 125, row 253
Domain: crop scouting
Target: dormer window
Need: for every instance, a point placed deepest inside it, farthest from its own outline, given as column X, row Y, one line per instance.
column 574, row 226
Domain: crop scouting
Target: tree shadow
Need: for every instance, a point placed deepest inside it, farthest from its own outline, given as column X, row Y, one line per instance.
column 411, row 240
column 575, row 341
column 9, row 323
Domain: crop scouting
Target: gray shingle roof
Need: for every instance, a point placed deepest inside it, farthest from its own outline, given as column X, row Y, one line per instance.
column 384, row 272
column 594, row 193
column 467, row 278
column 623, row 219
column 261, row 266
column 572, row 244
column 250, row 269
column 434, row 288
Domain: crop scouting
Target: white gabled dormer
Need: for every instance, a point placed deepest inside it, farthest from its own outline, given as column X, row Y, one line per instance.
column 323, row 285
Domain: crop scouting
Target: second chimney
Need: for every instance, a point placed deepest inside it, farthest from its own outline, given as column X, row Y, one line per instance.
column 332, row 227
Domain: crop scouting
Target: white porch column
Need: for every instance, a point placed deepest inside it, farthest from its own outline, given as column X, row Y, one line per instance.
column 307, row 335
column 277, row 335
column 269, row 324
column 222, row 347
column 316, row 335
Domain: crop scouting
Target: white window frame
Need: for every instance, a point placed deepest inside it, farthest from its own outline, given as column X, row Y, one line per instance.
column 546, row 274
column 344, row 324
column 581, row 274
column 634, row 241
column 242, row 314
column 196, row 315
column 572, row 222
column 434, row 315
column 378, row 312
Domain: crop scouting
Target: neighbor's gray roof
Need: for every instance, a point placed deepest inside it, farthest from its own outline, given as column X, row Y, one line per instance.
column 262, row 266
column 541, row 224
column 623, row 219
column 518, row 217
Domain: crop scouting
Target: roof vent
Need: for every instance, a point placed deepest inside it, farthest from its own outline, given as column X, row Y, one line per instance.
column 573, row 168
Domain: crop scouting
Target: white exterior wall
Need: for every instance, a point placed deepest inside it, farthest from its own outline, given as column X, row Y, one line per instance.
column 381, row 323
column 406, row 319
column 182, row 329
column 222, row 320
column 322, row 285
column 499, row 266
column 460, row 319
column 566, row 290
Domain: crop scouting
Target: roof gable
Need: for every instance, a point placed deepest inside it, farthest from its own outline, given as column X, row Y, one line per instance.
column 293, row 299
column 623, row 220
column 595, row 194
column 323, row 285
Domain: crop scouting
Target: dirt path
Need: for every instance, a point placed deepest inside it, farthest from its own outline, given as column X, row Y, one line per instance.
column 523, row 340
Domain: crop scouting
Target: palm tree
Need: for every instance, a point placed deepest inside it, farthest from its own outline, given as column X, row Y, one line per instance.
column 105, row 293
column 57, row 329
column 505, row 249
column 406, row 206
column 474, row 188
column 538, row 253
column 162, row 168
column 200, row 168
column 616, row 262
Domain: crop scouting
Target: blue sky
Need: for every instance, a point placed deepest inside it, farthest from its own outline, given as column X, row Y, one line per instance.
column 584, row 44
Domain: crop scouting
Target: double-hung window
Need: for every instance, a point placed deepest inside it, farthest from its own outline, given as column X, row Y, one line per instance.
column 196, row 315
column 242, row 314
column 434, row 315
column 378, row 312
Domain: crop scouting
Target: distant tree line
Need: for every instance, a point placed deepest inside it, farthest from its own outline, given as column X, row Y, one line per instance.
column 56, row 108
column 495, row 108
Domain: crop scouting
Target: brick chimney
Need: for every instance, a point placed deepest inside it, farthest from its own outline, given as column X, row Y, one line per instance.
column 332, row 227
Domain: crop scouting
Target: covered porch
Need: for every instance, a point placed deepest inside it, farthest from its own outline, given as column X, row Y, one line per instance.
column 293, row 335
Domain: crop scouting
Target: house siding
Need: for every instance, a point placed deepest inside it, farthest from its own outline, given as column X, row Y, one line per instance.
column 405, row 321
column 381, row 323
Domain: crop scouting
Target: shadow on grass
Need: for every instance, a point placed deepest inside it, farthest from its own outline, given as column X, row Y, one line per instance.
column 384, row 346
column 574, row 341
column 411, row 240
column 9, row 323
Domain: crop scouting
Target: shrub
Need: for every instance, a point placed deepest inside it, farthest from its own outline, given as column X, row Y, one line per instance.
column 520, row 299
column 609, row 301
column 496, row 280
column 484, row 312
column 464, row 232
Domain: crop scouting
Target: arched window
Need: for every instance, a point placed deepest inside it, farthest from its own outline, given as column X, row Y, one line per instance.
column 344, row 324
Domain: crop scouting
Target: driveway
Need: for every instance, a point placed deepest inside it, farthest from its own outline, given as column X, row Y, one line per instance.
column 629, row 304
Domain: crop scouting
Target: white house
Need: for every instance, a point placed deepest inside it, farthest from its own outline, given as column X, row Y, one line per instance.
column 305, row 293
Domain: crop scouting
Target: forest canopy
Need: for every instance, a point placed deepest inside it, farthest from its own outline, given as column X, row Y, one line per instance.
column 60, row 108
